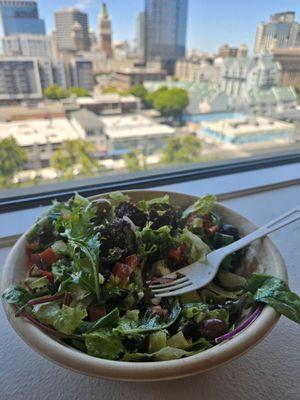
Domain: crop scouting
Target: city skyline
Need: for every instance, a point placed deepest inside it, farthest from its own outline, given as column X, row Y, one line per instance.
column 232, row 27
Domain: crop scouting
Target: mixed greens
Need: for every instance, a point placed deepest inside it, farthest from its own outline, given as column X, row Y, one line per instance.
column 88, row 264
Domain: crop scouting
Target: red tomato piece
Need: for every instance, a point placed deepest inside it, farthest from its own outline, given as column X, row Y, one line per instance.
column 48, row 275
column 48, row 256
column 34, row 259
column 132, row 261
column 122, row 271
column 175, row 255
column 96, row 311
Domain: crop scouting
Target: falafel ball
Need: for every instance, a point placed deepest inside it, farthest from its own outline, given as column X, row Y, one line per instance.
column 161, row 214
column 137, row 216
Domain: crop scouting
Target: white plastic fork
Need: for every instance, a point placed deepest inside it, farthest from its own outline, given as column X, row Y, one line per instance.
column 199, row 274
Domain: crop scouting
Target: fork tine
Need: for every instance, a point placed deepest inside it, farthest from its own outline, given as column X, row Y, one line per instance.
column 176, row 292
column 171, row 283
column 172, row 288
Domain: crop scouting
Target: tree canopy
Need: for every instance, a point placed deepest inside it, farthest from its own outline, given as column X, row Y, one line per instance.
column 171, row 102
column 182, row 150
column 12, row 160
column 78, row 91
column 75, row 157
column 135, row 161
column 55, row 92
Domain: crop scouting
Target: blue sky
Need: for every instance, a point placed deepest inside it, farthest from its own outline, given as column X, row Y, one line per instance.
column 210, row 22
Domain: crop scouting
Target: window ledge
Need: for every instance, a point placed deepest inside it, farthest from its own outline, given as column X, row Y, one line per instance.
column 14, row 223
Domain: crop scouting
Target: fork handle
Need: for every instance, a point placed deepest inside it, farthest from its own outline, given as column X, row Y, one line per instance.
column 277, row 223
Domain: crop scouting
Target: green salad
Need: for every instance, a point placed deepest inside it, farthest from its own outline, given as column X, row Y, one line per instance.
column 89, row 267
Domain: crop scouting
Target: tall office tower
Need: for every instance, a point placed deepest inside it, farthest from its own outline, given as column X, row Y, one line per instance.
column 105, row 32
column 165, row 37
column 282, row 31
column 26, row 45
column 72, row 30
column 19, row 79
column 20, row 17
column 140, row 34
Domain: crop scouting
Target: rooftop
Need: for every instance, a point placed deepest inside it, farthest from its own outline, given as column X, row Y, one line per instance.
column 30, row 132
column 105, row 98
column 87, row 119
column 245, row 126
column 133, row 125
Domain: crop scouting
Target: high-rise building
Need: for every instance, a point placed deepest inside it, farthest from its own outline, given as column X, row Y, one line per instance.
column 105, row 32
column 72, row 30
column 282, row 31
column 19, row 79
column 165, row 36
column 140, row 34
column 26, row 45
column 20, row 16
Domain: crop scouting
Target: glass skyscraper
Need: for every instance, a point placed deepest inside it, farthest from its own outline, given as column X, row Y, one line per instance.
column 18, row 17
column 165, row 38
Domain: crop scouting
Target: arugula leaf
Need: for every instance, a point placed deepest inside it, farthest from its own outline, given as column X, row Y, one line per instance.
column 276, row 293
column 90, row 248
column 149, row 324
column 202, row 206
column 16, row 295
column 197, row 249
column 104, row 343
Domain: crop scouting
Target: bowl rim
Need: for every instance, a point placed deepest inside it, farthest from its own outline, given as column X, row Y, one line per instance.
column 69, row 357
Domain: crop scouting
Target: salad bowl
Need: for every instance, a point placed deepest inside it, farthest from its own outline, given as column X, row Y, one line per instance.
column 262, row 257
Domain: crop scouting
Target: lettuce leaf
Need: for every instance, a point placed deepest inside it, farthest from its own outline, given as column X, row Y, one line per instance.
column 146, row 204
column 202, row 206
column 68, row 319
column 65, row 319
column 151, row 241
column 104, row 343
column 109, row 320
column 118, row 197
column 197, row 249
column 276, row 293
column 164, row 354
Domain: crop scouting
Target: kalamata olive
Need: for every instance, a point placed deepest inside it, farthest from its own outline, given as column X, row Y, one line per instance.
column 212, row 328
column 228, row 229
column 103, row 207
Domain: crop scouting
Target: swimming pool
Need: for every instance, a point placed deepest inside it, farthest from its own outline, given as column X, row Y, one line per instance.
column 211, row 116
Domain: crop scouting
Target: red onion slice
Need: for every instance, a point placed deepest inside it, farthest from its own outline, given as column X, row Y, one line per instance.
column 241, row 327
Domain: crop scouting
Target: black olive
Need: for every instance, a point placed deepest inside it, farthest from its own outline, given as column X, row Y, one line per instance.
column 212, row 328
column 163, row 214
column 228, row 229
column 137, row 216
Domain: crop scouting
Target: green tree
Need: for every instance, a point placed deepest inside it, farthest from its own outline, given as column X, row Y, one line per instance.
column 182, row 150
column 135, row 160
column 75, row 157
column 149, row 97
column 78, row 91
column 171, row 102
column 138, row 90
column 55, row 92
column 12, row 159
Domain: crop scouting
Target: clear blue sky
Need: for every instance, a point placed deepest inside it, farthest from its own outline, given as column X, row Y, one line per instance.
column 210, row 22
